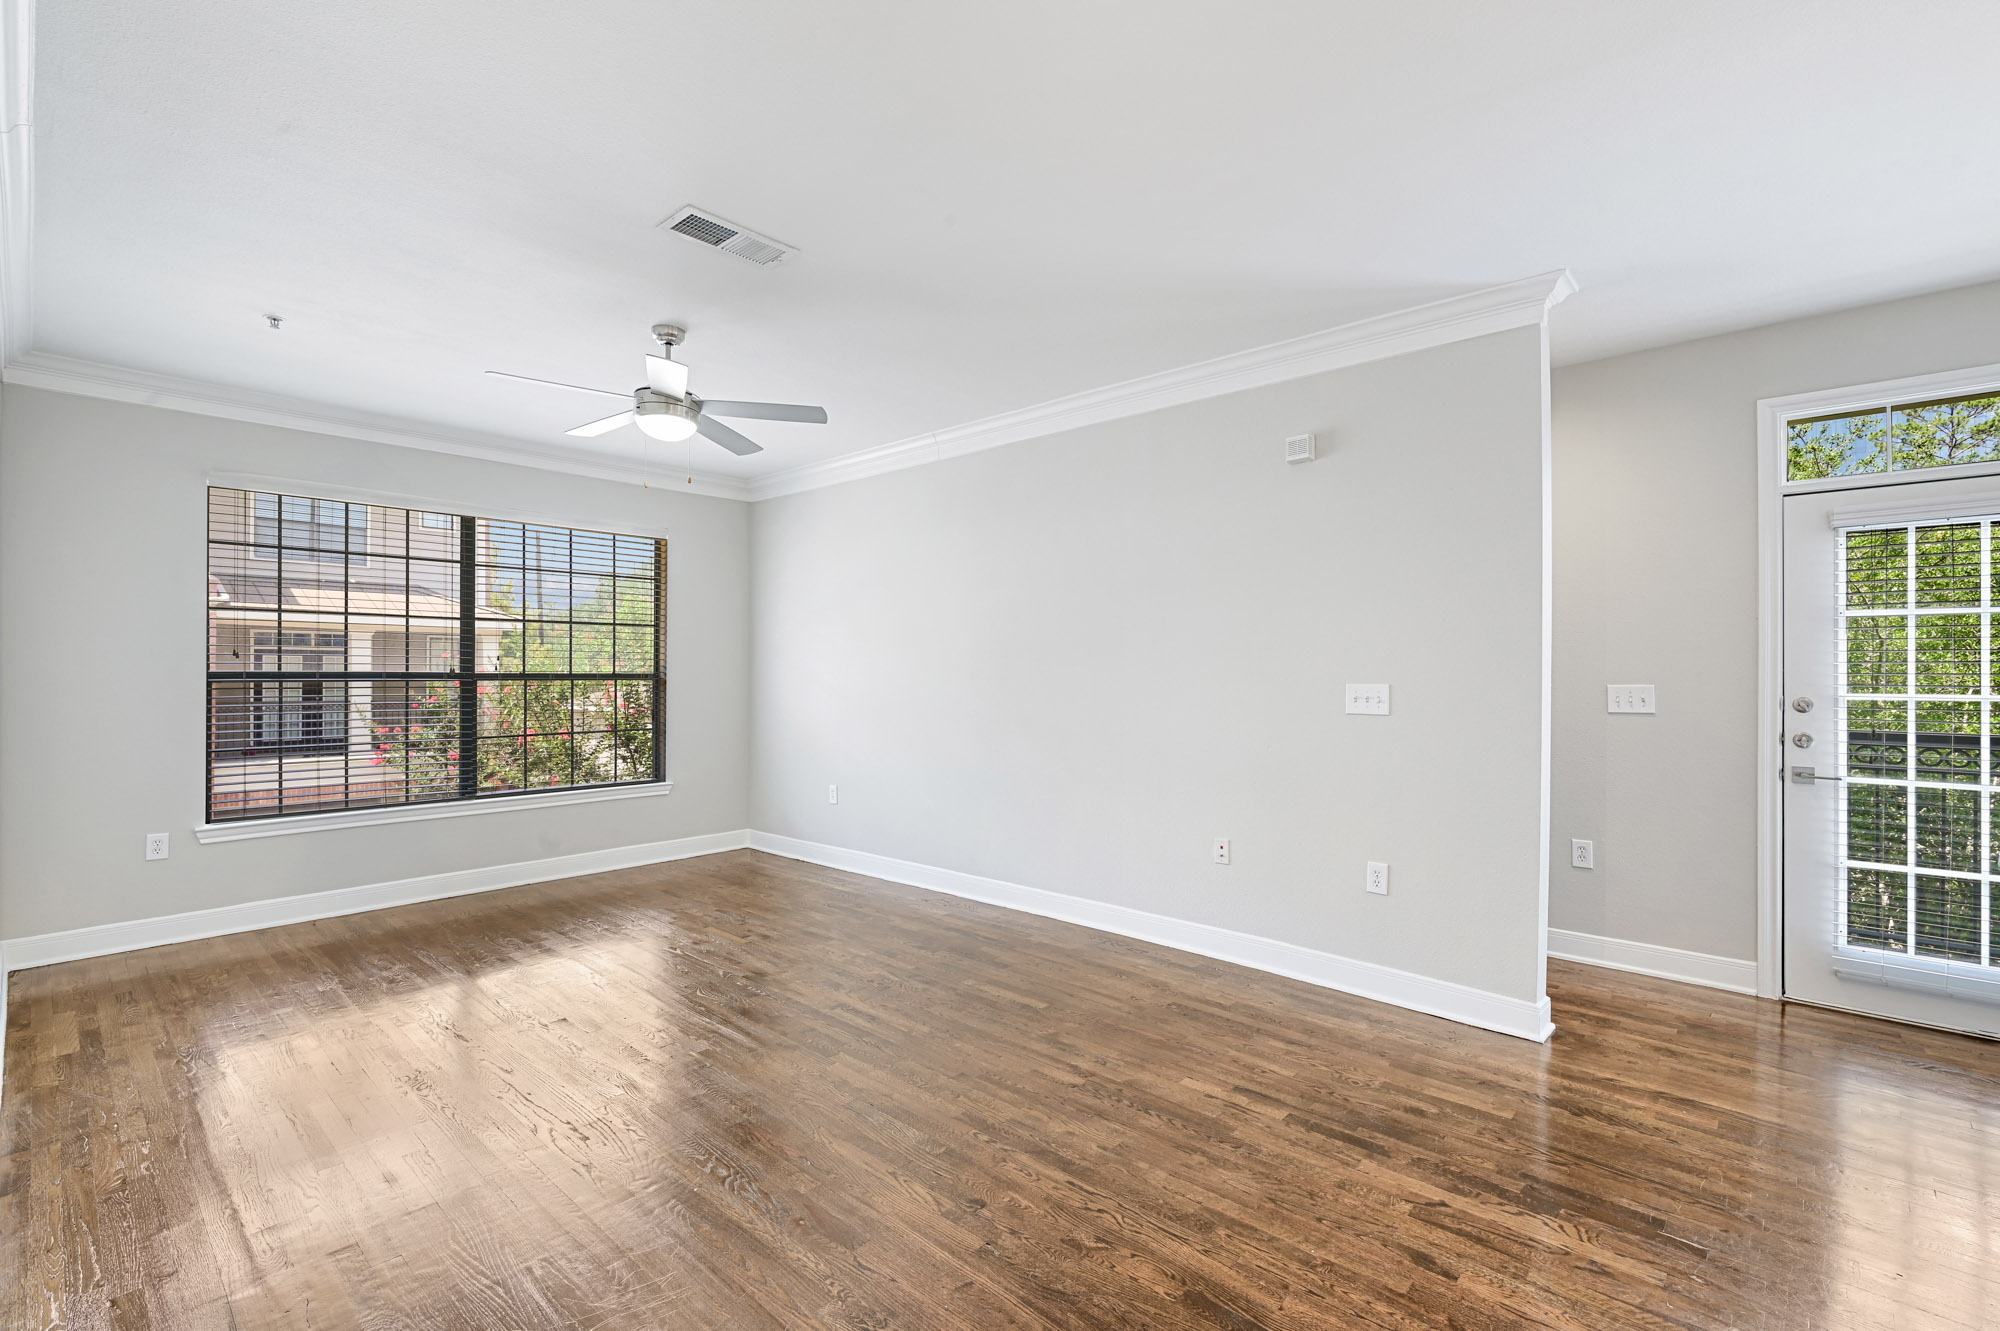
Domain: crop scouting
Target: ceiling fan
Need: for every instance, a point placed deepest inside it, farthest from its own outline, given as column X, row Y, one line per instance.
column 665, row 410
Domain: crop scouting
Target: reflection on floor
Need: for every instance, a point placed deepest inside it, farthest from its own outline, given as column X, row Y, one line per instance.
column 742, row 1091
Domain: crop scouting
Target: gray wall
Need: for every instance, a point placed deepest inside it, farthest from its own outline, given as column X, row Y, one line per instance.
column 1656, row 582
column 1070, row 662
column 101, row 574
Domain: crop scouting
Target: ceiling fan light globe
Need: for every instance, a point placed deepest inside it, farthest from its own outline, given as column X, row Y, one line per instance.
column 668, row 421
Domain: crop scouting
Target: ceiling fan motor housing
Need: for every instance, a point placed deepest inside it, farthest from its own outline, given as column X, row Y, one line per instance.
column 665, row 417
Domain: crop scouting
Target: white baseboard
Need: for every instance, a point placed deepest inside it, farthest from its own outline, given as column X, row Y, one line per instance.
column 1668, row 963
column 1441, row 998
column 97, row 940
column 1385, row 984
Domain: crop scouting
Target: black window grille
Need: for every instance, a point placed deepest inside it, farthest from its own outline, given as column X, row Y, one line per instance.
column 362, row 655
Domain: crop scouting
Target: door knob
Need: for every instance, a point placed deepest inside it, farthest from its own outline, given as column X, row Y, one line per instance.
column 1802, row 705
column 1802, row 740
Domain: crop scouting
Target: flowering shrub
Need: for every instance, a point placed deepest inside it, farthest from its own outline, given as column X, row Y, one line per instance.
column 532, row 732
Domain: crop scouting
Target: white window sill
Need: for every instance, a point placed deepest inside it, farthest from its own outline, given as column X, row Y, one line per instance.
column 251, row 828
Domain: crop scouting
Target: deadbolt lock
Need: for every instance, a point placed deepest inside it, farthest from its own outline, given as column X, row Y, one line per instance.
column 1802, row 740
column 1802, row 704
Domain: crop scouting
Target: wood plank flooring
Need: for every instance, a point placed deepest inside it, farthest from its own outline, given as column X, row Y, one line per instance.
column 742, row 1092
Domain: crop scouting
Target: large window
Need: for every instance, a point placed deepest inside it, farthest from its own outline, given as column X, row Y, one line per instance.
column 361, row 656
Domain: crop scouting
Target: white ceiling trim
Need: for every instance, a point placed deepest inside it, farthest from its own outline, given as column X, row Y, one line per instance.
column 1495, row 309
column 62, row 374
column 1475, row 314
column 34, row 369
column 17, row 174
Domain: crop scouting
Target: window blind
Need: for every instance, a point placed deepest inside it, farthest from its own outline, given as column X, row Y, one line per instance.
column 362, row 655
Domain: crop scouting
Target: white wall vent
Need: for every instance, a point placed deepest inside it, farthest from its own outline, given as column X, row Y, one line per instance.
column 706, row 228
column 1299, row 448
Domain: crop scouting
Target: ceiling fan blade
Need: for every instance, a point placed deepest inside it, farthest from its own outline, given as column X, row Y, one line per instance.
column 765, row 411
column 728, row 438
column 667, row 376
column 605, row 426
column 551, row 383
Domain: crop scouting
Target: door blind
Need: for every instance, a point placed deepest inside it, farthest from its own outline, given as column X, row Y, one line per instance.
column 1917, row 716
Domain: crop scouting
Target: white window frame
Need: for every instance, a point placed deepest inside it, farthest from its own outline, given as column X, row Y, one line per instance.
column 1774, row 417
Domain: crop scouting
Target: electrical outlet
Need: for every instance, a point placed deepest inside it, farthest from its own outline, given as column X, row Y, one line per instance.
column 1221, row 850
column 1378, row 878
column 156, row 845
column 1630, row 697
column 833, row 794
column 1582, row 854
column 1368, row 699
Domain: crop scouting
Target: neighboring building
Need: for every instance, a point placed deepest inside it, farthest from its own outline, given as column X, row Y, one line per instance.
column 346, row 591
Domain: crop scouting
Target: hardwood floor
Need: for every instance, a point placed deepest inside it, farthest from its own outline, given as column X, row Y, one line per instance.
column 743, row 1092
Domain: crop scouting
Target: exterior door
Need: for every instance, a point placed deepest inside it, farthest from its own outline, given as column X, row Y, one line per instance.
column 1891, row 848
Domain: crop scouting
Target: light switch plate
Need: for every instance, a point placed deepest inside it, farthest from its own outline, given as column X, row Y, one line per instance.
column 1630, row 697
column 1368, row 699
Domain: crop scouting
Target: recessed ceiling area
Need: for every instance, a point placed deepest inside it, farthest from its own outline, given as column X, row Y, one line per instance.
column 992, row 207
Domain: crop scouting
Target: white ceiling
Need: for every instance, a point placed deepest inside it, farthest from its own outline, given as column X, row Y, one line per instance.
column 995, row 205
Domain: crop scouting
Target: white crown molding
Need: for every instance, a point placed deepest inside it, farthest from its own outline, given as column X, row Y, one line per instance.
column 1495, row 309
column 36, row 369
column 1514, row 305
column 17, row 174
column 63, row 374
column 1364, row 979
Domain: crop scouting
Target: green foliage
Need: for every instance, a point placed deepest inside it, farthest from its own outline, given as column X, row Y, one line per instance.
column 1877, row 909
column 545, row 732
column 1948, row 917
column 1944, row 434
column 560, row 733
column 1839, row 446
column 1948, row 433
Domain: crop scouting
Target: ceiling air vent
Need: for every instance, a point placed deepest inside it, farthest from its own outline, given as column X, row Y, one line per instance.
column 710, row 230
